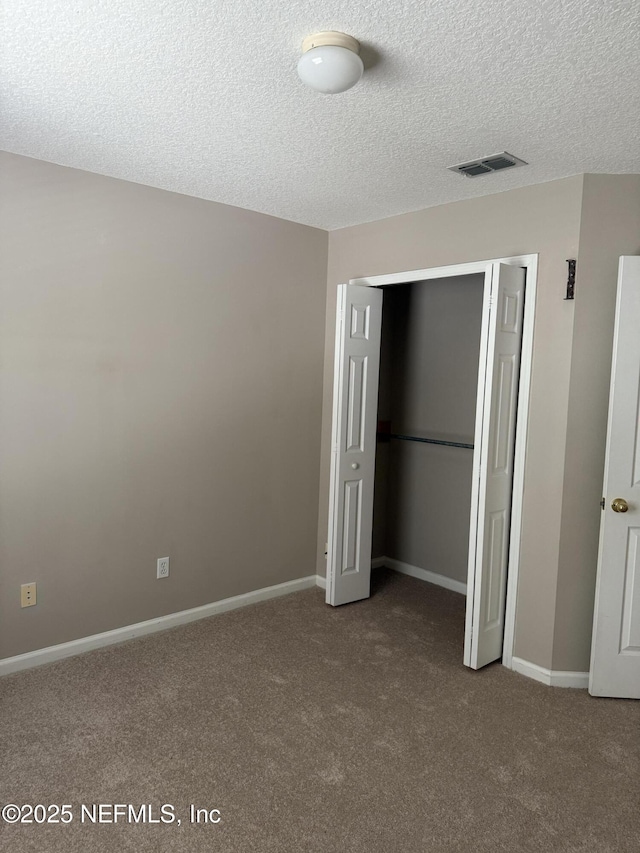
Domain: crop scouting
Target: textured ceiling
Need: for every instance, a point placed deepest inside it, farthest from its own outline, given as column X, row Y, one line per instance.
column 202, row 97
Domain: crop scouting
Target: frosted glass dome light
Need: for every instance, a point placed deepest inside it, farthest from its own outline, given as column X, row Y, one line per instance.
column 330, row 62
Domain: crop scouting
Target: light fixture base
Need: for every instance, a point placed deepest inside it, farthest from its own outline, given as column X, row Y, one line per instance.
column 331, row 38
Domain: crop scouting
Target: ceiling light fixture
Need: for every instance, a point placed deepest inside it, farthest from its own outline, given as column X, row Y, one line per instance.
column 330, row 62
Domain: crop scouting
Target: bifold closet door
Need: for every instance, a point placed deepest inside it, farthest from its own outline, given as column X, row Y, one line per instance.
column 501, row 343
column 353, row 442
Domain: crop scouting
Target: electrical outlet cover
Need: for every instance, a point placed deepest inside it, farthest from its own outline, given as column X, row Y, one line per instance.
column 28, row 595
column 163, row 567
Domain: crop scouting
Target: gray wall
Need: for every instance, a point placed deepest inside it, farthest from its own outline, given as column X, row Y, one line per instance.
column 594, row 218
column 429, row 361
column 160, row 394
column 609, row 227
column 543, row 219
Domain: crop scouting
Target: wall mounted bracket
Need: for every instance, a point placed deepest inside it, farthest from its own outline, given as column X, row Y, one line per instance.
column 571, row 280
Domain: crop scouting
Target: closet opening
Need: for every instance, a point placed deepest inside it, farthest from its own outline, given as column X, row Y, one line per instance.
column 431, row 381
column 427, row 393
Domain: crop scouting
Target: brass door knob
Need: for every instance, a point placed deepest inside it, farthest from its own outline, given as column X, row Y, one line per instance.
column 619, row 505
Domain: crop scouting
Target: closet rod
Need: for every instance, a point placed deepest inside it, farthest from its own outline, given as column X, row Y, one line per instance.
column 425, row 440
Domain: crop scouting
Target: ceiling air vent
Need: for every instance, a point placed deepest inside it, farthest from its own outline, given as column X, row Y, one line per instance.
column 486, row 165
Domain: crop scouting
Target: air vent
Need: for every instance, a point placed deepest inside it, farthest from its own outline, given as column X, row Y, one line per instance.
column 486, row 165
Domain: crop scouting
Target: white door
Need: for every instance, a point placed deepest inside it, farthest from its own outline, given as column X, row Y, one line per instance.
column 353, row 442
column 615, row 650
column 499, row 373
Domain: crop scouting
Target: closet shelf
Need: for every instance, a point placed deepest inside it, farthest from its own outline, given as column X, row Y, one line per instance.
column 424, row 440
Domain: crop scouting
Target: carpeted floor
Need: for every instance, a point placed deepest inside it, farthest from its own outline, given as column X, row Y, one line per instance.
column 314, row 729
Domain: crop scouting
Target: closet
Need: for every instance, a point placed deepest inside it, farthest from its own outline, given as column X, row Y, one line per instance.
column 424, row 418
column 427, row 391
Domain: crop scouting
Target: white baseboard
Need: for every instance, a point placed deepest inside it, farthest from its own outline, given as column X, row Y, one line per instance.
column 550, row 677
column 422, row 574
column 151, row 626
column 413, row 571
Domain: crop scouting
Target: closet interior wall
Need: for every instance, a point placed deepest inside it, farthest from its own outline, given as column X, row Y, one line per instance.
column 428, row 387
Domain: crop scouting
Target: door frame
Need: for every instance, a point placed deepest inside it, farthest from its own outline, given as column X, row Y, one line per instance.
column 530, row 264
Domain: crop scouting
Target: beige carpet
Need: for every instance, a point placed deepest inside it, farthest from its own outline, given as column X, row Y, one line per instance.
column 313, row 729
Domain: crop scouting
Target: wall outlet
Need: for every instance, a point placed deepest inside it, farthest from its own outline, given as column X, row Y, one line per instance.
column 163, row 567
column 28, row 594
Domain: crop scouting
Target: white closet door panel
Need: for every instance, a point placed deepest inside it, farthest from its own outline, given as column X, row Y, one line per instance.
column 355, row 410
column 493, row 464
